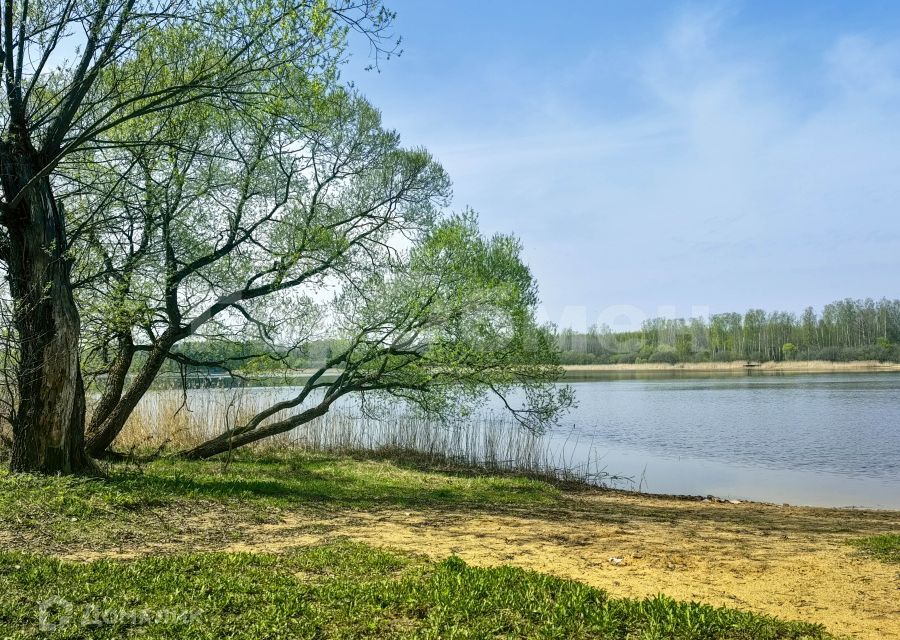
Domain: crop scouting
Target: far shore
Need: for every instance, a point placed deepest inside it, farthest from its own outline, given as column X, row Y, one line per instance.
column 804, row 366
column 576, row 370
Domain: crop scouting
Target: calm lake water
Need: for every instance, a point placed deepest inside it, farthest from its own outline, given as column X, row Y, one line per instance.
column 819, row 439
column 826, row 439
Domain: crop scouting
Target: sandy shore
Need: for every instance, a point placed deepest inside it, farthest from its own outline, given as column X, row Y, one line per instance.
column 799, row 366
column 791, row 562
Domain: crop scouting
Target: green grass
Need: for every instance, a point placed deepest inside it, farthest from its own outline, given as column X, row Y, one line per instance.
column 341, row 590
column 280, row 481
column 132, row 498
column 885, row 547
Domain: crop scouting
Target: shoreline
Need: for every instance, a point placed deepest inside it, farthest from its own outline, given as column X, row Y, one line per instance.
column 794, row 562
column 737, row 366
column 713, row 499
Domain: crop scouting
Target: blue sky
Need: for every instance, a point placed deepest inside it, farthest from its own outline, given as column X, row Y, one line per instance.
column 662, row 157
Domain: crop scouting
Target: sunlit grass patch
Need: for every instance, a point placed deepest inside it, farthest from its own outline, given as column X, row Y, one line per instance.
column 136, row 502
column 340, row 590
column 885, row 547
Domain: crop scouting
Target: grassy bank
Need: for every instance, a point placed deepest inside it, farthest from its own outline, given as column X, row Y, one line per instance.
column 282, row 544
column 148, row 502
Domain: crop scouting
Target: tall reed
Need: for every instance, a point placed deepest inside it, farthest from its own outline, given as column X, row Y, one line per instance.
column 168, row 421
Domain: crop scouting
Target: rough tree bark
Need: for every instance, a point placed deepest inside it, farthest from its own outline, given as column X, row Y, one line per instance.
column 48, row 425
column 106, row 425
column 115, row 384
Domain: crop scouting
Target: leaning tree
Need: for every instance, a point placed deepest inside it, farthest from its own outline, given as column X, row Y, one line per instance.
column 310, row 221
column 73, row 72
column 207, row 178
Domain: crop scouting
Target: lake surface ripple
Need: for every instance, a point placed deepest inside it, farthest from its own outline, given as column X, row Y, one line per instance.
column 826, row 439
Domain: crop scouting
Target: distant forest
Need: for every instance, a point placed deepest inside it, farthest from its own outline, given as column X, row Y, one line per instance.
column 844, row 330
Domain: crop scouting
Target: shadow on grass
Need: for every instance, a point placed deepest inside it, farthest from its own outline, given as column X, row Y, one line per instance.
column 329, row 479
column 386, row 479
column 258, row 482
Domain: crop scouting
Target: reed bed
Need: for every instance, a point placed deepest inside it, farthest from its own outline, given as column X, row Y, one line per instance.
column 169, row 421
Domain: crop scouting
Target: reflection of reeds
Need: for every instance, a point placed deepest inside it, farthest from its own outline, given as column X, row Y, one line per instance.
column 491, row 442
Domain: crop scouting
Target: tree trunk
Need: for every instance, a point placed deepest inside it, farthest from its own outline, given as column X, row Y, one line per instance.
column 116, row 410
column 236, row 438
column 48, row 423
column 115, row 383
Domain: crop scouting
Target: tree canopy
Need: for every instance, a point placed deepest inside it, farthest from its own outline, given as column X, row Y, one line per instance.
column 198, row 173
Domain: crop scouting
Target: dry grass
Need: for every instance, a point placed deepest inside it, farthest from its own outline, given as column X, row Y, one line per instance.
column 164, row 423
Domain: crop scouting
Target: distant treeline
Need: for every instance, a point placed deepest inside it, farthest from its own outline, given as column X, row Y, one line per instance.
column 844, row 330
